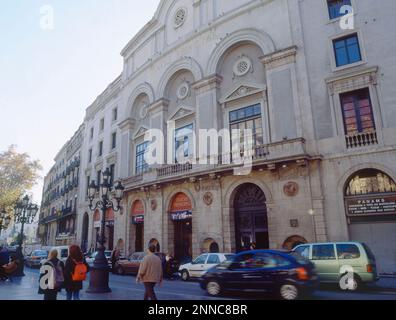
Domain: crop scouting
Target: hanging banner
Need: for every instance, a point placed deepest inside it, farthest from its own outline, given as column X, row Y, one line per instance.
column 182, row 215
column 138, row 219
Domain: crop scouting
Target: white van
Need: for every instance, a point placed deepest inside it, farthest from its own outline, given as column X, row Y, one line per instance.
column 63, row 253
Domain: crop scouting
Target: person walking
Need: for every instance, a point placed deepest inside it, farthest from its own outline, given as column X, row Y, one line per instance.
column 76, row 269
column 115, row 256
column 7, row 270
column 150, row 273
column 53, row 271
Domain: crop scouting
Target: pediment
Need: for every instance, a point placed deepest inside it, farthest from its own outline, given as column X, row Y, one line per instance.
column 182, row 113
column 241, row 91
column 140, row 132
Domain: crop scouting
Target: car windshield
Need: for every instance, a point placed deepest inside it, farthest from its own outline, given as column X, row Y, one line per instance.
column 229, row 257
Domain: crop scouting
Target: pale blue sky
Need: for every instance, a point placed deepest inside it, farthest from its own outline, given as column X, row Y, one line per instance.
column 49, row 78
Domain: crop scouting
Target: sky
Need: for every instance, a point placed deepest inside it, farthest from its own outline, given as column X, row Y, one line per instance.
column 51, row 70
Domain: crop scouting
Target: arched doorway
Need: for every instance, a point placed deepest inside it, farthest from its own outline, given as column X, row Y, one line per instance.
column 121, row 246
column 251, row 222
column 109, row 231
column 210, row 246
column 293, row 241
column 181, row 216
column 137, row 226
column 370, row 203
column 85, row 230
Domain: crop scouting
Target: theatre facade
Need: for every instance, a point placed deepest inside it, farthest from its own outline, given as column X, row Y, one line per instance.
column 322, row 123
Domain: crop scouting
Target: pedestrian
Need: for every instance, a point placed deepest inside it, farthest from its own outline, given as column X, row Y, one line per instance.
column 253, row 246
column 150, row 273
column 8, row 269
column 169, row 266
column 4, row 256
column 115, row 257
column 52, row 270
column 76, row 269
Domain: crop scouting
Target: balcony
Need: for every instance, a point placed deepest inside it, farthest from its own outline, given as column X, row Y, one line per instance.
column 362, row 139
column 269, row 154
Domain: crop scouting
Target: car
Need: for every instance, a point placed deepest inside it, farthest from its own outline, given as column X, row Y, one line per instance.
column 201, row 264
column 63, row 254
column 34, row 259
column 91, row 258
column 131, row 265
column 286, row 274
column 333, row 261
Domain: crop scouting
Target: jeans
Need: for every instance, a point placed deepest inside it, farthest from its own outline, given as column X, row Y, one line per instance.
column 149, row 293
column 73, row 294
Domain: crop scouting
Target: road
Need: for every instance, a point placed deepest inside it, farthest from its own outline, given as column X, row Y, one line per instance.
column 126, row 288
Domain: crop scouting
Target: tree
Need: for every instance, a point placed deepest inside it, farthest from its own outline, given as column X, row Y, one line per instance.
column 18, row 174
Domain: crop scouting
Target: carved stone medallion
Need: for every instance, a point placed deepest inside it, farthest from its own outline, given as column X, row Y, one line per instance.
column 291, row 189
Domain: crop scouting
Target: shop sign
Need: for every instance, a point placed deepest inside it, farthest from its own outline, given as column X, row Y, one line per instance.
column 376, row 205
column 181, row 215
column 96, row 224
column 139, row 219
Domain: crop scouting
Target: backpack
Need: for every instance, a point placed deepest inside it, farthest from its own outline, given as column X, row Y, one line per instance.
column 80, row 271
column 56, row 279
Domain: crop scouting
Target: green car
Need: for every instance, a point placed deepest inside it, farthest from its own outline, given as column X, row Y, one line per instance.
column 350, row 264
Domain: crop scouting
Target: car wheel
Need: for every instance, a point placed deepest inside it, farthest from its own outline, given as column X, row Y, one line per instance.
column 120, row 271
column 213, row 288
column 288, row 292
column 353, row 284
column 185, row 275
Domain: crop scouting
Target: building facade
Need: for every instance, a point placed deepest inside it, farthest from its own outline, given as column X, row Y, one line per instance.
column 317, row 95
column 57, row 221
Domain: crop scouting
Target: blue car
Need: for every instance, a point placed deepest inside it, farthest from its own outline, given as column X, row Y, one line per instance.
column 286, row 274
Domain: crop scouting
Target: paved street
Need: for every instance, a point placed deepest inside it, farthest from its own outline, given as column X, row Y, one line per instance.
column 125, row 288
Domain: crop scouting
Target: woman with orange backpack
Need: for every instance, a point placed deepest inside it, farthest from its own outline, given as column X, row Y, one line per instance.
column 76, row 269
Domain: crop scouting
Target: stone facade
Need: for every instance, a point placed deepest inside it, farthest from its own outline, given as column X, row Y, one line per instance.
column 198, row 61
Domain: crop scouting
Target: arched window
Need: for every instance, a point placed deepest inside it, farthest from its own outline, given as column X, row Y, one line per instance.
column 369, row 181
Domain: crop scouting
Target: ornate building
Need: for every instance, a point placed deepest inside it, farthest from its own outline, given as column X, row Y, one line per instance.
column 319, row 101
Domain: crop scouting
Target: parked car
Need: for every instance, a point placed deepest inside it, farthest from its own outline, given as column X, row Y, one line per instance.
column 333, row 258
column 91, row 258
column 131, row 265
column 63, row 253
column 35, row 258
column 202, row 264
column 289, row 276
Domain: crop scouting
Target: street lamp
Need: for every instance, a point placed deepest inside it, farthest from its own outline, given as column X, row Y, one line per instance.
column 311, row 212
column 25, row 212
column 99, row 279
column 4, row 220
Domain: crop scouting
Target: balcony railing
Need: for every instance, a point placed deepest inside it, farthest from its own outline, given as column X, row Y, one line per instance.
column 287, row 150
column 361, row 139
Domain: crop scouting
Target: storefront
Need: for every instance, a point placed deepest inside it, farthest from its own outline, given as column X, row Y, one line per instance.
column 137, row 226
column 370, row 202
column 181, row 216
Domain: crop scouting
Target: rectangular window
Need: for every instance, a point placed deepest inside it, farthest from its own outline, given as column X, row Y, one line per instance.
column 90, row 156
column 335, row 7
column 112, row 172
column 99, row 178
column 323, row 252
column 100, row 148
column 115, row 114
column 357, row 112
column 184, row 142
column 88, row 182
column 347, row 50
column 247, row 118
column 114, row 140
column 101, row 127
column 141, row 165
column 92, row 133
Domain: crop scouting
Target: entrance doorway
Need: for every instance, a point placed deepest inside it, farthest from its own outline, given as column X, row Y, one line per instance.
column 181, row 215
column 251, row 221
column 139, row 238
column 137, row 224
column 85, row 228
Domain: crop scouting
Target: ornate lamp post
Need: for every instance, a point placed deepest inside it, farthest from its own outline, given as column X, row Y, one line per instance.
column 99, row 279
column 4, row 220
column 25, row 212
